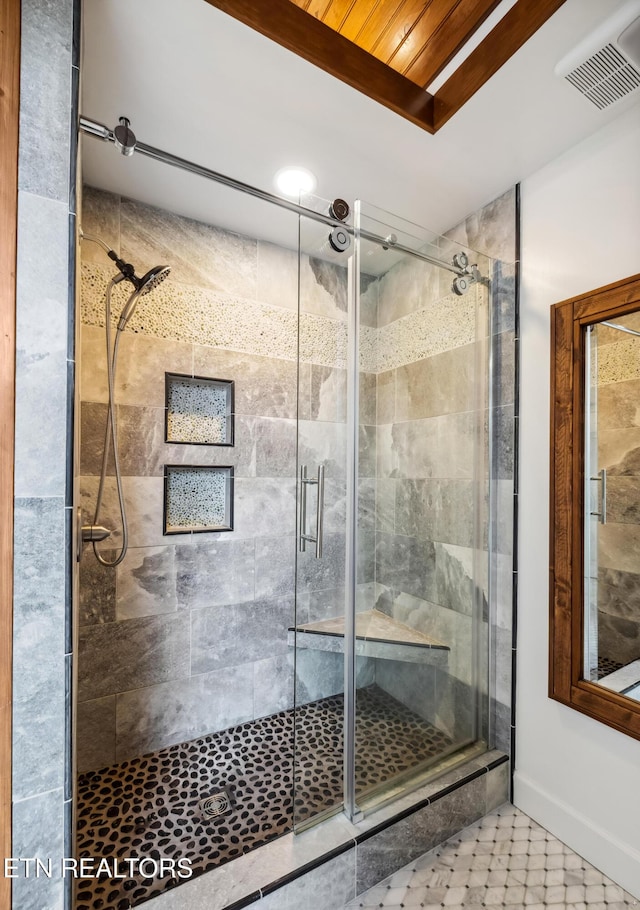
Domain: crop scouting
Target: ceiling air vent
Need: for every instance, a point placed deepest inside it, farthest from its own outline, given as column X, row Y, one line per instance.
column 605, row 67
column 606, row 77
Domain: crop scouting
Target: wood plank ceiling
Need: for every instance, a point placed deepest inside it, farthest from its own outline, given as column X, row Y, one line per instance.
column 415, row 38
column 392, row 50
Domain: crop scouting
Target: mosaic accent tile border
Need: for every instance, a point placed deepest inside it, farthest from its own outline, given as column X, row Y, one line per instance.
column 445, row 324
column 192, row 314
column 187, row 313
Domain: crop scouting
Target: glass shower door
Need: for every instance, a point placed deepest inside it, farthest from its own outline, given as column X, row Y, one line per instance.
column 391, row 632
column 320, row 566
column 419, row 504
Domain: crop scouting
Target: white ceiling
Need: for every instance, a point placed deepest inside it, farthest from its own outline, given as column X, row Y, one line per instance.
column 199, row 84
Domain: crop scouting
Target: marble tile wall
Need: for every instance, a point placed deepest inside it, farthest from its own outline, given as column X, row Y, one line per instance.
column 427, row 431
column 436, row 445
column 42, row 647
column 494, row 231
column 618, row 440
column 189, row 634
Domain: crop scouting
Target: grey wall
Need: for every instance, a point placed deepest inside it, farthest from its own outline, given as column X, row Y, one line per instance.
column 188, row 634
column 431, row 477
column 44, row 392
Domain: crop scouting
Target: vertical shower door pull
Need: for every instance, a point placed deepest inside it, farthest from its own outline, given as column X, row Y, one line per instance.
column 602, row 514
column 304, row 483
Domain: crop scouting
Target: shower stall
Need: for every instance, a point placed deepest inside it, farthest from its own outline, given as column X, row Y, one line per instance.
column 301, row 623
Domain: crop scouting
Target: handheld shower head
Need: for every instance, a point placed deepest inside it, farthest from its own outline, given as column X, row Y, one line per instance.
column 152, row 279
column 144, row 285
column 148, row 282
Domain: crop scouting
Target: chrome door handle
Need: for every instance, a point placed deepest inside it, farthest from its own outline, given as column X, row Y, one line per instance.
column 320, row 511
column 303, row 507
column 602, row 514
column 305, row 481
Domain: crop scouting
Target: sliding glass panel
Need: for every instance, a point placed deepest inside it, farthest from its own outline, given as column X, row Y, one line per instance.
column 189, row 632
column 320, row 582
column 421, row 614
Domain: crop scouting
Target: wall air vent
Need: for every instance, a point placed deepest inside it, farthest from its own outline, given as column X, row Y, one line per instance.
column 605, row 67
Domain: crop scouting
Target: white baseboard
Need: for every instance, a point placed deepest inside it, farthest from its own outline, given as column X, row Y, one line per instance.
column 617, row 860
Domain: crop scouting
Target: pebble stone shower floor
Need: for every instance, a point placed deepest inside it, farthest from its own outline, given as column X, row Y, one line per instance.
column 505, row 861
column 149, row 806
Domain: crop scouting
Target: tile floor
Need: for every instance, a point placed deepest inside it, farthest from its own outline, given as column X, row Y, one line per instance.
column 153, row 803
column 504, row 861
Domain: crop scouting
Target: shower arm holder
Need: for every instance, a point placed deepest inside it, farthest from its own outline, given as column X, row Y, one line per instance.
column 126, row 270
column 94, row 532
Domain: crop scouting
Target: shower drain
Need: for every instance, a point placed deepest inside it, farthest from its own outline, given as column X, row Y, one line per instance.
column 217, row 804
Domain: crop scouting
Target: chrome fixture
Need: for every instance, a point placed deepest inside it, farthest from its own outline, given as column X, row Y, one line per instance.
column 339, row 240
column 144, row 285
column 461, row 285
column 95, row 532
column 124, row 138
column 602, row 514
column 304, row 483
column 216, row 804
column 339, row 209
column 467, row 274
column 100, row 131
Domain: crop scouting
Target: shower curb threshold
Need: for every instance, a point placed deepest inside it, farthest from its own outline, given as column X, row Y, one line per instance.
column 254, row 875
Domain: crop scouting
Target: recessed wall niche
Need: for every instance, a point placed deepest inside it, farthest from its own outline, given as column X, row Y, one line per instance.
column 199, row 410
column 197, row 498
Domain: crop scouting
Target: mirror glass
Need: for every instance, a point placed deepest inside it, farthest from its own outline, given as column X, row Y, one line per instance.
column 594, row 621
column 611, row 649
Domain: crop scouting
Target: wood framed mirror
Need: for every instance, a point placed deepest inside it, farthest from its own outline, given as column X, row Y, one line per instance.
column 594, row 653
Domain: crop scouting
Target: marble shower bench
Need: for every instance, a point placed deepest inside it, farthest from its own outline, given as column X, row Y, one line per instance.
column 377, row 635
